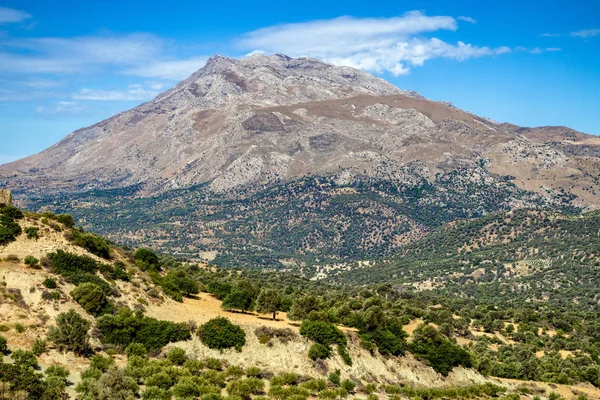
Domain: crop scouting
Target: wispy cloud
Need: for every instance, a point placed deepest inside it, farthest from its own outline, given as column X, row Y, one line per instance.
column 62, row 107
column 550, row 34
column 467, row 19
column 10, row 15
column 537, row 50
column 133, row 92
column 377, row 45
column 586, row 33
column 78, row 54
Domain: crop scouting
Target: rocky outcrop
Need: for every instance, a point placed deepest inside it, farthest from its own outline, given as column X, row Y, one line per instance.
column 5, row 197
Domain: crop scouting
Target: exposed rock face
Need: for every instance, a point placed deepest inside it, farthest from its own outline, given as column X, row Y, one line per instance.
column 5, row 198
column 238, row 123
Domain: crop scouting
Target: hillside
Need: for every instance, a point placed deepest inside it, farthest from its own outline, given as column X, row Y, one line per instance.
column 381, row 341
column 281, row 162
column 515, row 257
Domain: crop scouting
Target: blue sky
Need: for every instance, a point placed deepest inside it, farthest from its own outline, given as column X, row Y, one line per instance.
column 68, row 64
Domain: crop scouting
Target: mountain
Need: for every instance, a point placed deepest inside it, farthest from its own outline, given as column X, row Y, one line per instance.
column 275, row 161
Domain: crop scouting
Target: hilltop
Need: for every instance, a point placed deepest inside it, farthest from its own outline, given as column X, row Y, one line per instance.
column 291, row 162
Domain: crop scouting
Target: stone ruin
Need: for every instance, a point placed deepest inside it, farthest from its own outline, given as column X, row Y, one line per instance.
column 5, row 197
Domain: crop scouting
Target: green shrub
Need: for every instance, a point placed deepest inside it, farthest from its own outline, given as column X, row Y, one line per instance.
column 92, row 243
column 335, row 378
column 348, row 385
column 214, row 363
column 39, row 347
column 136, row 349
column 90, row 297
column 160, row 379
column 71, row 332
column 9, row 229
column 19, row 327
column 269, row 301
column 55, row 295
column 156, row 393
column 343, row 352
column 132, row 327
column 212, row 396
column 314, row 385
column 146, row 259
column 65, row 219
column 177, row 356
column 31, row 261
column 322, row 332
column 253, row 372
column 234, row 372
column 32, row 232
column 244, row 388
column 319, row 351
column 11, row 212
column 25, row 358
column 65, row 263
column 440, row 353
column 220, row 333
column 3, row 345
column 387, row 343
column 77, row 269
column 50, row 283
column 101, row 363
column 239, row 298
column 58, row 371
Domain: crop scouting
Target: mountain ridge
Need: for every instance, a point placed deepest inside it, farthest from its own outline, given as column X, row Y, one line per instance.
column 321, row 150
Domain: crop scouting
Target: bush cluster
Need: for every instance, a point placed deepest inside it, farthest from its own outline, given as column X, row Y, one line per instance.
column 219, row 333
column 128, row 327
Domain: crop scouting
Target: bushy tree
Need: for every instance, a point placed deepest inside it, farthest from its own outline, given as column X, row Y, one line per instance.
column 90, row 297
column 146, row 259
column 71, row 332
column 269, row 301
column 132, row 327
column 241, row 297
column 177, row 356
column 319, row 351
column 440, row 353
column 220, row 333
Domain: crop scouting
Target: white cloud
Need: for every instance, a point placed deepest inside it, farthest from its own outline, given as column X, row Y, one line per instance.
column 63, row 107
column 586, row 33
column 378, row 45
column 255, row 53
column 467, row 19
column 132, row 93
column 170, row 70
column 550, row 34
column 10, row 15
column 135, row 54
column 537, row 50
column 324, row 37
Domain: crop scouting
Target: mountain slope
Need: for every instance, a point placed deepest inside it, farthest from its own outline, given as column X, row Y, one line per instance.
column 227, row 160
